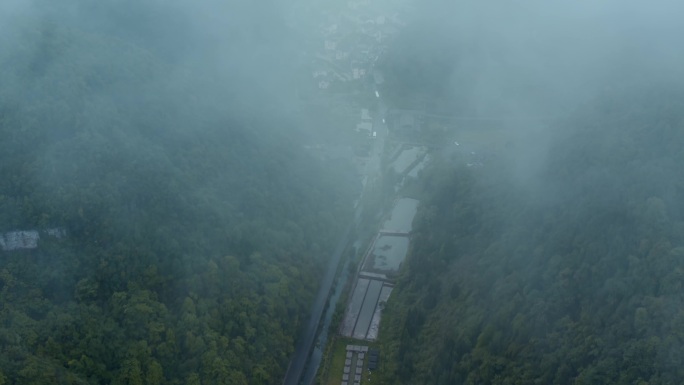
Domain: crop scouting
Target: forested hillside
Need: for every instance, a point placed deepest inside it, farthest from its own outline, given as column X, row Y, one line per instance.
column 572, row 274
column 196, row 225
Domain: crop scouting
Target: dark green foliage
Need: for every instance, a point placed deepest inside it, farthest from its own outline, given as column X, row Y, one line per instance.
column 196, row 230
column 576, row 278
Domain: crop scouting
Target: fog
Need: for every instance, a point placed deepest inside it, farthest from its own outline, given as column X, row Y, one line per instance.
column 163, row 143
column 541, row 57
column 546, row 247
column 534, row 64
column 181, row 180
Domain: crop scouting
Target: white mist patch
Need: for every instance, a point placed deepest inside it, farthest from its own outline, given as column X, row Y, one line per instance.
column 27, row 239
column 17, row 240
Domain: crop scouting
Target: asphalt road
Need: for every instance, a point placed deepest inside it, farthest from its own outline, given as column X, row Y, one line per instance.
column 303, row 349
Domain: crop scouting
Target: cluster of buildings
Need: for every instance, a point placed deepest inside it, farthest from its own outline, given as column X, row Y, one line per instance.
column 353, row 40
column 355, row 361
column 341, row 61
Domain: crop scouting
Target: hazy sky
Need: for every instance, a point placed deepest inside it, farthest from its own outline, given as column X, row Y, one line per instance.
column 533, row 53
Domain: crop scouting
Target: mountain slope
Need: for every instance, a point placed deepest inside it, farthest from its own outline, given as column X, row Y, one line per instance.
column 195, row 229
column 573, row 275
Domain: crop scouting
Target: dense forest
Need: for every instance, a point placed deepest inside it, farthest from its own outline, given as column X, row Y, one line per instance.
column 561, row 259
column 194, row 224
column 572, row 274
